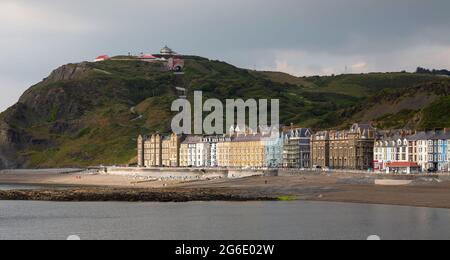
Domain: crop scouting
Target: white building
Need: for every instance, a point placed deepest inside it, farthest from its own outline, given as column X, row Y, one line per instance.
column 202, row 154
column 212, row 141
column 430, row 150
column 166, row 51
column 197, row 151
column 388, row 150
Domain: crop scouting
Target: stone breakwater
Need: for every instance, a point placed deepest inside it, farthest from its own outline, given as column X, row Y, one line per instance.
column 129, row 195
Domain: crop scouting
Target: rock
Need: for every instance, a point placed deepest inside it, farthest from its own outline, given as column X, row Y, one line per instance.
column 130, row 195
column 68, row 72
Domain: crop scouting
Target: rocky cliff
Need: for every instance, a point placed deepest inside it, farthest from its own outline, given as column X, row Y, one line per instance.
column 90, row 113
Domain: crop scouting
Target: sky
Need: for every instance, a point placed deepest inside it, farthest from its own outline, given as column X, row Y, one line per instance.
column 300, row 37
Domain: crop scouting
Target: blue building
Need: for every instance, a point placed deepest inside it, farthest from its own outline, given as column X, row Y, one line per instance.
column 273, row 143
column 438, row 151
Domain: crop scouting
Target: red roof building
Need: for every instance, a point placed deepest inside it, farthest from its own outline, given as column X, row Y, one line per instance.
column 403, row 167
column 102, row 58
column 402, row 164
column 147, row 57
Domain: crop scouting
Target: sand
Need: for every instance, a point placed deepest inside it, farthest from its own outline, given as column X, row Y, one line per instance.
column 308, row 187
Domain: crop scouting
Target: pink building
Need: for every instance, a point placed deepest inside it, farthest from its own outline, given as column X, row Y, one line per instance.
column 102, row 58
column 148, row 58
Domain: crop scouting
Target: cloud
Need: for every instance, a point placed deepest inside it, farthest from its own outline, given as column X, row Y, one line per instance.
column 307, row 63
column 304, row 63
column 11, row 89
column 301, row 37
column 17, row 17
column 359, row 67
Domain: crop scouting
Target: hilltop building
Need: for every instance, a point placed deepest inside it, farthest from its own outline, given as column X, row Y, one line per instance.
column 148, row 58
column 167, row 57
column 166, row 51
column 102, row 58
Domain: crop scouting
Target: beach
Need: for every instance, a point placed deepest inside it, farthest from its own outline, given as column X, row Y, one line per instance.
column 424, row 191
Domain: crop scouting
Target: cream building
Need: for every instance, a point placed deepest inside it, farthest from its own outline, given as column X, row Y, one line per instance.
column 140, row 150
column 165, row 154
column 153, row 151
column 171, row 150
column 194, row 152
column 223, row 152
column 214, row 143
column 247, row 151
column 159, row 151
column 389, row 149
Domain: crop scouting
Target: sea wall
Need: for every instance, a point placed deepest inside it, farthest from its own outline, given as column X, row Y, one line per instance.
column 185, row 173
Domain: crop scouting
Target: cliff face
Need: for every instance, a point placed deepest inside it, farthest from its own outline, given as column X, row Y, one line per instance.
column 11, row 141
column 80, row 114
column 7, row 152
column 90, row 113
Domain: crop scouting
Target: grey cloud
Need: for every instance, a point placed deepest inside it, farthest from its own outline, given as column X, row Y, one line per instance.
column 301, row 36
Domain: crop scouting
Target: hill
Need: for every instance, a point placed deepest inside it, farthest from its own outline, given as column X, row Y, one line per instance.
column 91, row 113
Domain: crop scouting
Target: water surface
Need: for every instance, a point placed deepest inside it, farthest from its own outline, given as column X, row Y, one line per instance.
column 219, row 220
column 31, row 187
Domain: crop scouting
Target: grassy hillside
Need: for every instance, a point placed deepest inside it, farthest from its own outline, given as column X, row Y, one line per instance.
column 91, row 113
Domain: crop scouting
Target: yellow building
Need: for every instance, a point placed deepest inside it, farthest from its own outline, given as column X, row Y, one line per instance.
column 171, row 150
column 159, row 151
column 223, row 152
column 153, row 151
column 240, row 151
column 248, row 151
column 184, row 152
column 165, row 151
column 140, row 151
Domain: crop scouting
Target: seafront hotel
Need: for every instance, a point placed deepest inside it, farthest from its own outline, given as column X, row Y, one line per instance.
column 360, row 148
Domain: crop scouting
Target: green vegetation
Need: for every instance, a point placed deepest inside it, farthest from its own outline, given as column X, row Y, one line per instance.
column 395, row 121
column 437, row 114
column 95, row 117
column 287, row 198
